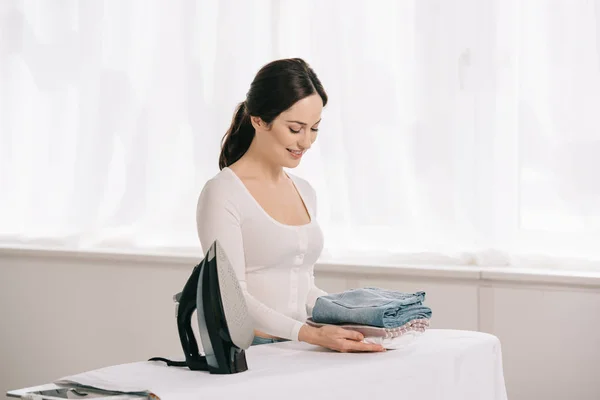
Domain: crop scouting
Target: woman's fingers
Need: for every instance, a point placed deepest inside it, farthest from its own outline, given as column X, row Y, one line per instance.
column 345, row 340
column 352, row 335
column 364, row 347
column 354, row 342
column 350, row 346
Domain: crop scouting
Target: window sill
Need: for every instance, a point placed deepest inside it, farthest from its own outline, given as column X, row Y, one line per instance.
column 175, row 259
column 484, row 275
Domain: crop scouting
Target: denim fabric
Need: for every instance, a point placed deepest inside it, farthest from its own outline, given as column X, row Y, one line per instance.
column 370, row 306
column 261, row 340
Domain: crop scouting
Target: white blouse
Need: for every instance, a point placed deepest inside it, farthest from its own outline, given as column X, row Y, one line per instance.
column 273, row 262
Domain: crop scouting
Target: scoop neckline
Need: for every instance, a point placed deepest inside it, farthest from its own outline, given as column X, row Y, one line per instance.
column 273, row 220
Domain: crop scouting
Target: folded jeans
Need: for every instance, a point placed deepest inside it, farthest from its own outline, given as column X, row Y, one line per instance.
column 371, row 306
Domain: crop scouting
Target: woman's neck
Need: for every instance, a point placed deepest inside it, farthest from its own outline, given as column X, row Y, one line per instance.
column 258, row 166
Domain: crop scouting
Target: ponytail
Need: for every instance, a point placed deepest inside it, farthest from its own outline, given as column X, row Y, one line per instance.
column 275, row 88
column 237, row 140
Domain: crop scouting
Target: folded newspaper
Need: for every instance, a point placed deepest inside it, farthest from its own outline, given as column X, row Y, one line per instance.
column 148, row 379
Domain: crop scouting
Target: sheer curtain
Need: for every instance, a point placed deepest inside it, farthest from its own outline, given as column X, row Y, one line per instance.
column 462, row 132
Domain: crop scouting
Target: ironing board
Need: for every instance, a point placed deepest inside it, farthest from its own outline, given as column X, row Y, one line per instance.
column 440, row 364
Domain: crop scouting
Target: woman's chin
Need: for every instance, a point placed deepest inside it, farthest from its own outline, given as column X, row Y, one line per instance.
column 291, row 163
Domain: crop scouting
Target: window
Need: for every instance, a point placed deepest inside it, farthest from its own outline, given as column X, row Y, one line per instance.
column 451, row 128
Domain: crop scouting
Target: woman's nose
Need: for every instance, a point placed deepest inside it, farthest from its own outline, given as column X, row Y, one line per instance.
column 305, row 141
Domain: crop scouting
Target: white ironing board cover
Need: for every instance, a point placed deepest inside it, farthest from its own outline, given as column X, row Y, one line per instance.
column 440, row 364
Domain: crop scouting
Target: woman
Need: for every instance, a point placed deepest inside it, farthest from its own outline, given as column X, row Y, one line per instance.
column 263, row 217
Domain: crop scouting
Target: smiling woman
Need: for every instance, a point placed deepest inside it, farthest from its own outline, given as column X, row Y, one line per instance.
column 282, row 111
column 265, row 218
column 288, row 131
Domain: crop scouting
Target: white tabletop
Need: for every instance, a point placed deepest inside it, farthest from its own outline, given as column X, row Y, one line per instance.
column 441, row 364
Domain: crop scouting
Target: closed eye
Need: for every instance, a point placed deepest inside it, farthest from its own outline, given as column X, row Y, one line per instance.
column 303, row 124
column 298, row 131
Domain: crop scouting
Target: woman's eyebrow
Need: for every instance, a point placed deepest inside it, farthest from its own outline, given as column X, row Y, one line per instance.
column 303, row 123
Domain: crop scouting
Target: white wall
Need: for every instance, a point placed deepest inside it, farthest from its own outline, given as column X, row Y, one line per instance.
column 62, row 314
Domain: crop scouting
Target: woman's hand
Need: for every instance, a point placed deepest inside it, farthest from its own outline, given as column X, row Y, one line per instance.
column 336, row 338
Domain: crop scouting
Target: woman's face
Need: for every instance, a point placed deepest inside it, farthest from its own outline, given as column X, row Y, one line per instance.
column 292, row 133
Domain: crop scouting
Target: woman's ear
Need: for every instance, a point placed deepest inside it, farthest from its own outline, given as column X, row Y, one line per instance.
column 257, row 123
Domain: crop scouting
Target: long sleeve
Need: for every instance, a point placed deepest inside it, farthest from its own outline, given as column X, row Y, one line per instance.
column 313, row 292
column 218, row 218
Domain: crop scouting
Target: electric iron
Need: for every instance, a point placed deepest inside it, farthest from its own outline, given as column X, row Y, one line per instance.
column 225, row 326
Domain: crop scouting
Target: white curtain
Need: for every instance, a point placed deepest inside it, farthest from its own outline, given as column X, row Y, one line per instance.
column 459, row 132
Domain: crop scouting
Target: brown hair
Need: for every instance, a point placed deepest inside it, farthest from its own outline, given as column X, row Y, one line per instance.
column 275, row 88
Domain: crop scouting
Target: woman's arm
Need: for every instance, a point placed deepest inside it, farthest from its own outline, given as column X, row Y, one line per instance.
column 218, row 218
column 313, row 293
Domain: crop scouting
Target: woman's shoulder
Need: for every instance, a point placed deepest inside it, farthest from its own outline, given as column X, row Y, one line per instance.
column 222, row 185
column 304, row 186
column 299, row 181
